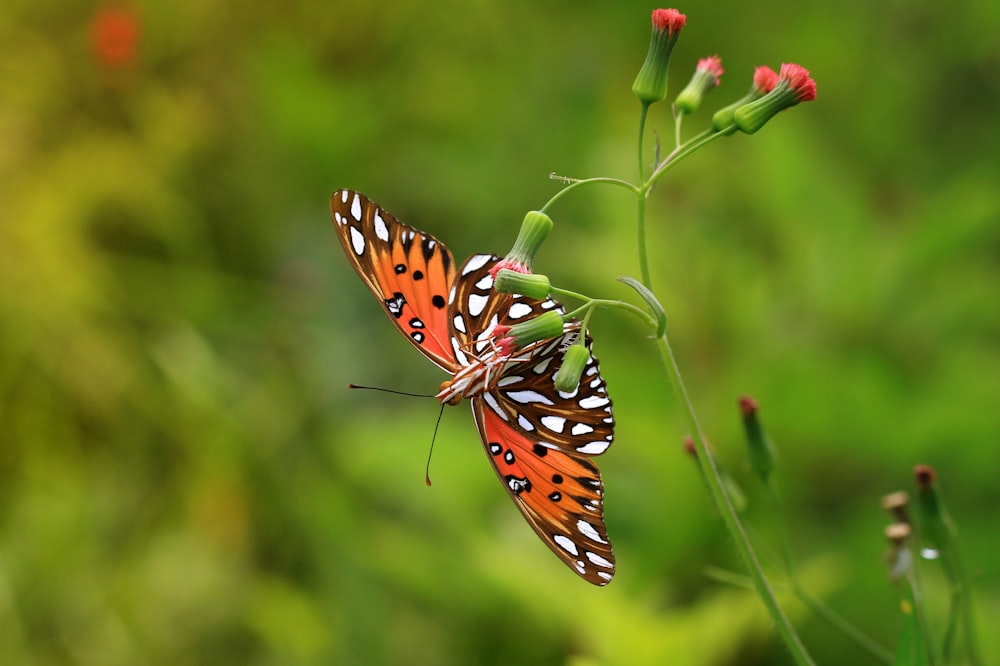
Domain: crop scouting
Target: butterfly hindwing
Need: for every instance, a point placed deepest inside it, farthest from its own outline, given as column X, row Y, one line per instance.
column 539, row 439
column 559, row 493
column 410, row 272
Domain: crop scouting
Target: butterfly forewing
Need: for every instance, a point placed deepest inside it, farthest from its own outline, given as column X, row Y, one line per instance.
column 410, row 272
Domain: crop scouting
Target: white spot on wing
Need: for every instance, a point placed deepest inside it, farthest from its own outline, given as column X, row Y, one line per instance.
column 356, row 208
column 475, row 262
column 519, row 310
column 554, row 423
column 598, row 560
column 343, row 196
column 588, row 530
column 526, row 397
column 540, row 368
column 593, row 448
column 459, row 354
column 511, row 379
column 605, row 575
column 459, row 324
column 565, row 543
column 357, row 242
column 477, row 304
column 594, row 401
column 524, row 423
column 581, row 429
column 381, row 230
column 494, row 405
column 485, row 283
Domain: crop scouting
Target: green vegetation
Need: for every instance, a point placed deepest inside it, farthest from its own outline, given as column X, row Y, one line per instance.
column 184, row 476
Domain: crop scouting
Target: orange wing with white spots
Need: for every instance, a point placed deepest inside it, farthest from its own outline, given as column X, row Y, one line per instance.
column 410, row 272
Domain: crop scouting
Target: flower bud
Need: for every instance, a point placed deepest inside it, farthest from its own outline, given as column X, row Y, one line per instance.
column 531, row 285
column 574, row 363
column 707, row 75
column 534, row 230
column 545, row 326
column 759, row 449
column 764, row 81
column 650, row 83
column 794, row 86
column 900, row 557
column 896, row 503
column 937, row 525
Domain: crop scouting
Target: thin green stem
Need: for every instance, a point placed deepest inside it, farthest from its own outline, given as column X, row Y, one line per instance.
column 592, row 304
column 843, row 626
column 677, row 155
column 641, row 204
column 728, row 511
column 575, row 183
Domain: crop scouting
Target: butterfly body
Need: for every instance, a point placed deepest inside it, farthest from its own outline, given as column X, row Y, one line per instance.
column 538, row 440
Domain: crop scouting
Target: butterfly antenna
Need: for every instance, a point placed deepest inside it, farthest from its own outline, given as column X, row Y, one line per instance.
column 385, row 390
column 427, row 469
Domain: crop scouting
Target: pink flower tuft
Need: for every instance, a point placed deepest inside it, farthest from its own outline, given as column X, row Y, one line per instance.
column 711, row 65
column 502, row 340
column 511, row 265
column 668, row 20
column 765, row 78
column 799, row 81
column 506, row 346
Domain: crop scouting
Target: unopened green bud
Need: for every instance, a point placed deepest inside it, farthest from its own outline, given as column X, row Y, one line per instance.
column 937, row 525
column 545, row 326
column 764, row 81
column 707, row 75
column 794, row 86
column 574, row 363
column 759, row 450
column 650, row 83
column 532, row 285
column 534, row 230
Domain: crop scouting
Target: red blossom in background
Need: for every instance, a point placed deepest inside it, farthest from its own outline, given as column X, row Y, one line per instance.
column 114, row 37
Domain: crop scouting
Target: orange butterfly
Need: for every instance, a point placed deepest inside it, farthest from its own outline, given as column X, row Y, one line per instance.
column 539, row 440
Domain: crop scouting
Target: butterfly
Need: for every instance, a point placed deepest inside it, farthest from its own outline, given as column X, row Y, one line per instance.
column 538, row 440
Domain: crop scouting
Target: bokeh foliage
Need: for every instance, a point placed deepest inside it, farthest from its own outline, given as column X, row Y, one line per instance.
column 184, row 477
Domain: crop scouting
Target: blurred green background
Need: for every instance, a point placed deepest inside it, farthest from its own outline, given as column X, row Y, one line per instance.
column 184, row 477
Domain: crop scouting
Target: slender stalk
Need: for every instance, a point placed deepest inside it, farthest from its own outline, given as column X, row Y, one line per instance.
column 728, row 511
column 641, row 204
column 839, row 623
column 575, row 183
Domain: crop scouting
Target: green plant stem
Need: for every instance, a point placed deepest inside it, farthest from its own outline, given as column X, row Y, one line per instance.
column 677, row 155
column 641, row 204
column 728, row 511
column 839, row 623
column 575, row 183
column 590, row 304
column 961, row 606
